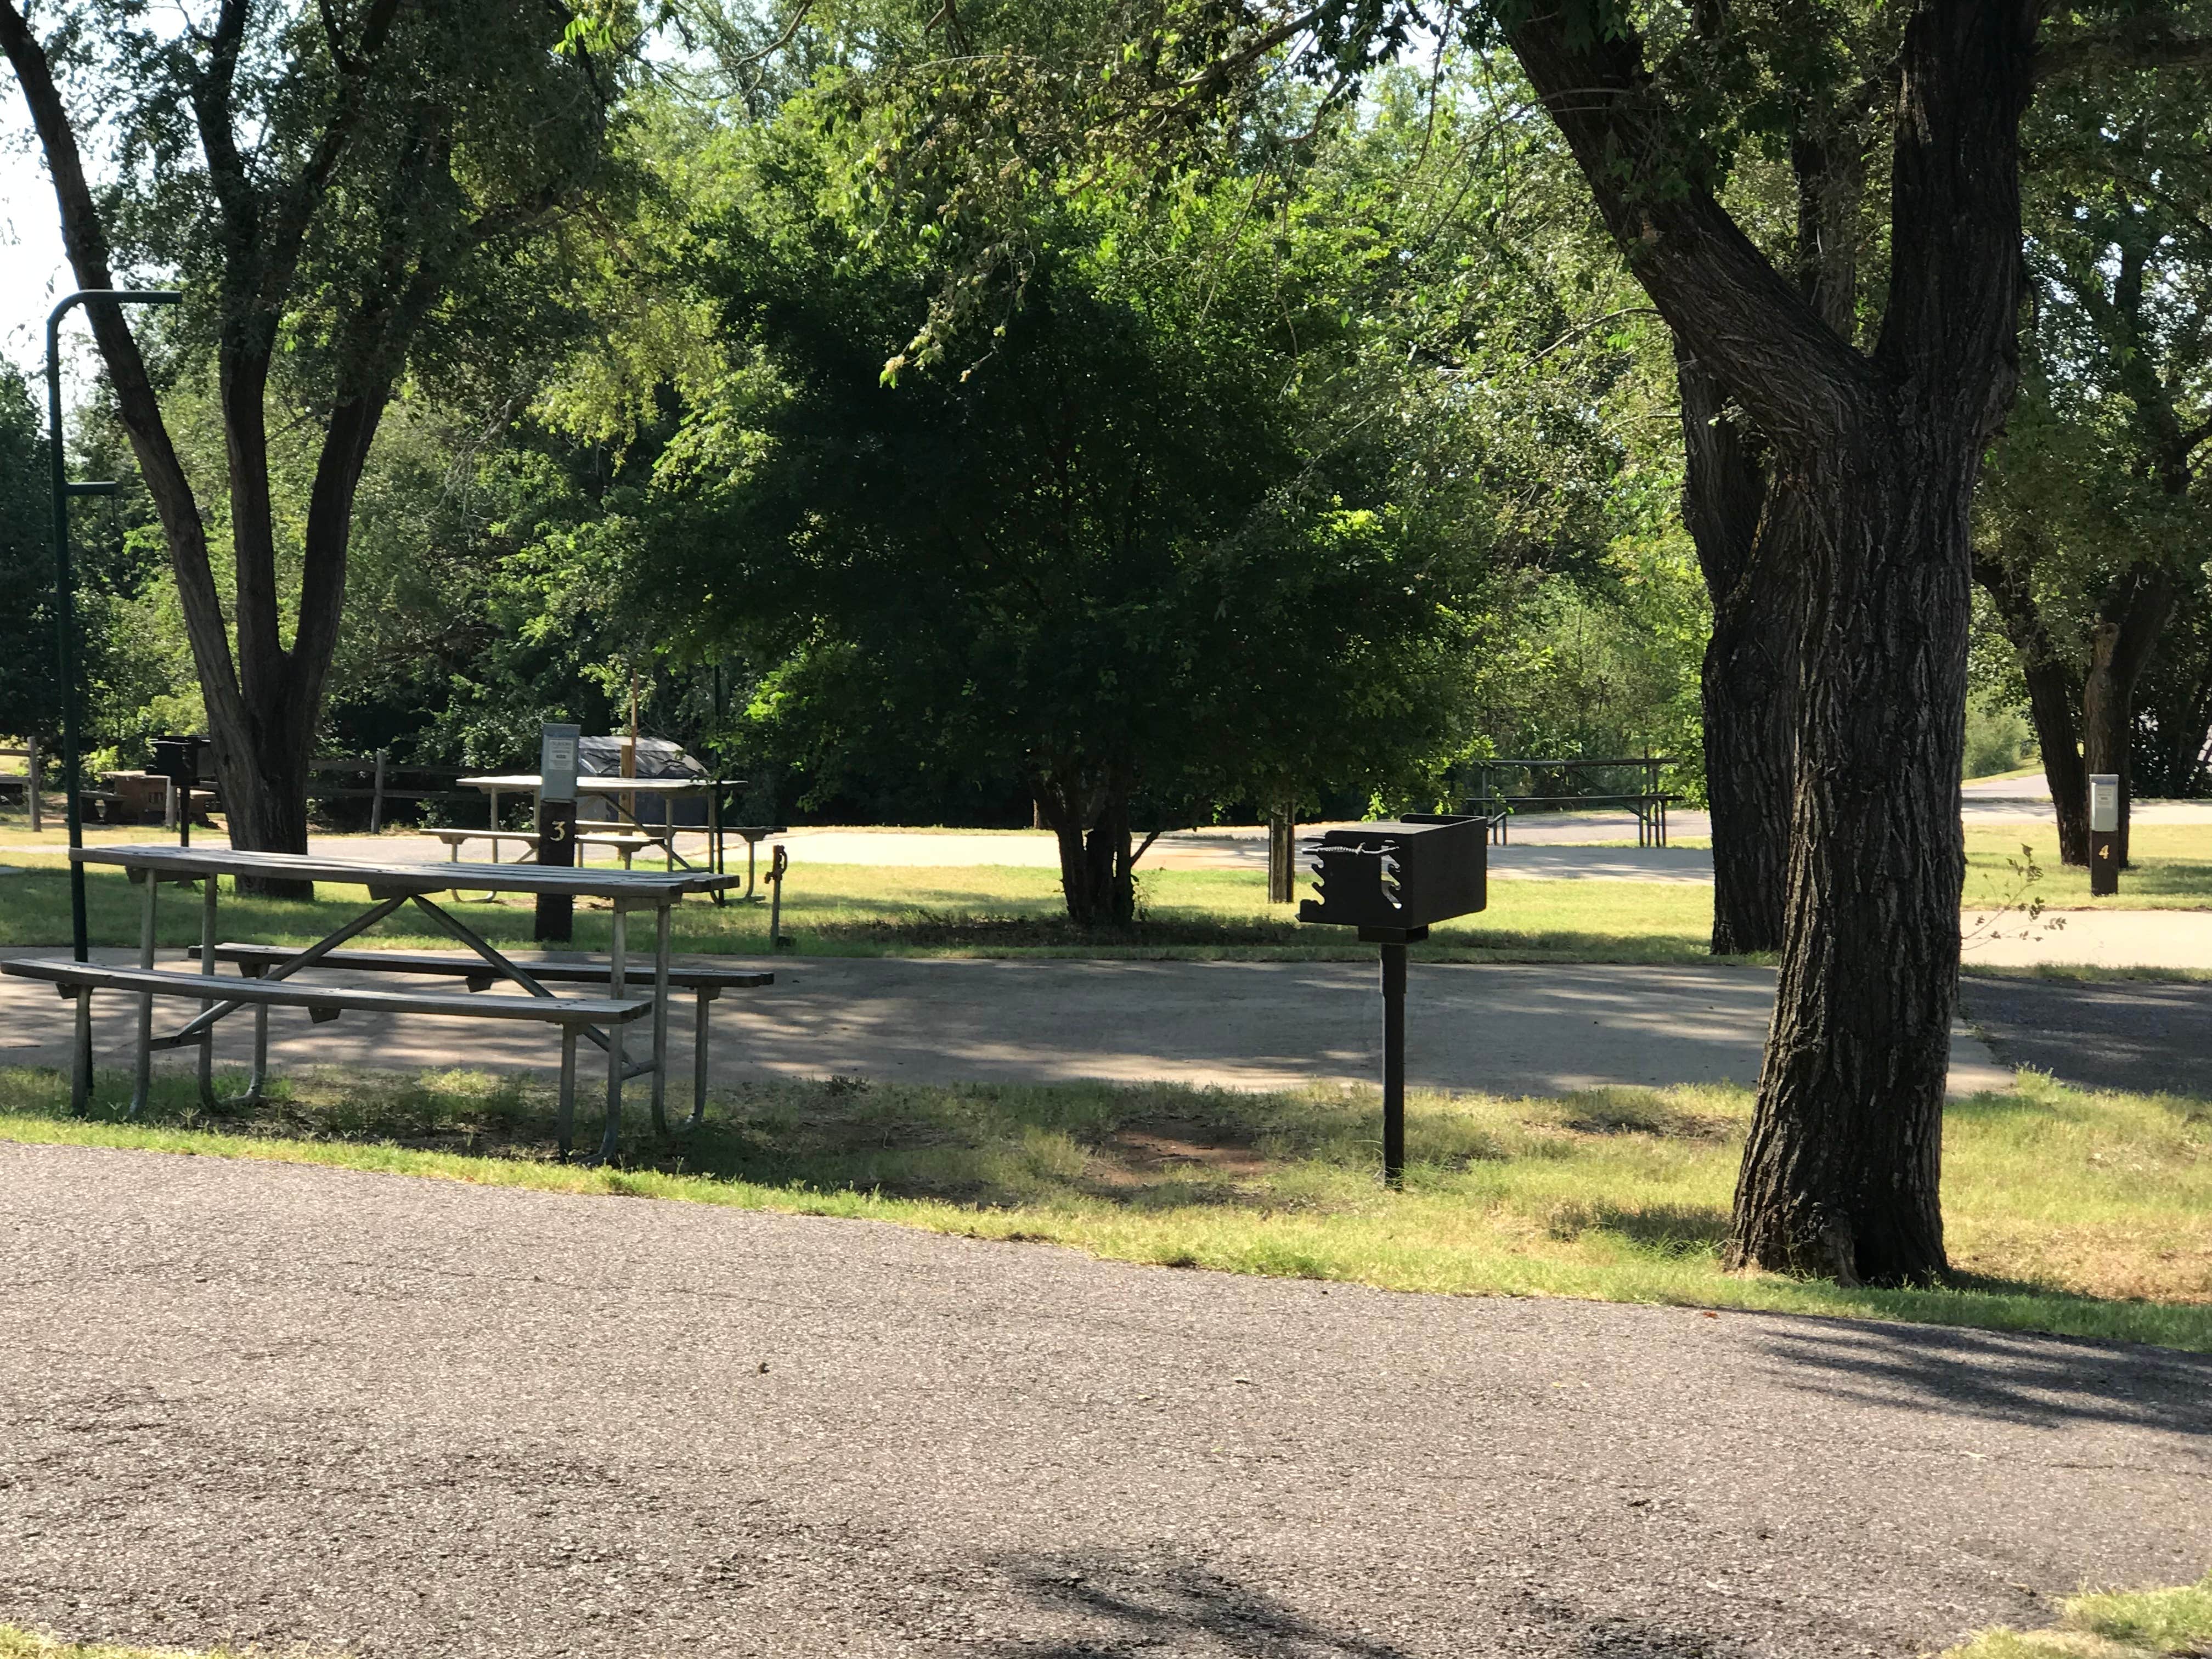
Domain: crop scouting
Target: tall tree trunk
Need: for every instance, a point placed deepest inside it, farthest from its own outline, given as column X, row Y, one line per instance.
column 1749, row 684
column 1089, row 815
column 2051, row 698
column 1754, row 537
column 2120, row 645
column 1841, row 1170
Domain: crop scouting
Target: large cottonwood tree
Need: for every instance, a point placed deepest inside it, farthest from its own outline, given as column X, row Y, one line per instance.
column 1875, row 435
column 342, row 189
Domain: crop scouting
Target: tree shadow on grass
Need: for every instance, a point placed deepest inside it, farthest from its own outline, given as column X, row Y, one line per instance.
column 2043, row 1381
column 1141, row 1147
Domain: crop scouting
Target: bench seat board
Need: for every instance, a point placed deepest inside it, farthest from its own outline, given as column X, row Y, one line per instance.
column 462, row 837
column 286, row 993
column 461, row 967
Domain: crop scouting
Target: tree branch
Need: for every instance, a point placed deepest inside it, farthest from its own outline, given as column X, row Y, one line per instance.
column 2147, row 43
column 85, row 239
column 1799, row 381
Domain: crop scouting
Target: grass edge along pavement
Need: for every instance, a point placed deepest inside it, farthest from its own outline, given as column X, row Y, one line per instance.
column 2081, row 1215
column 2107, row 1624
column 2155, row 1624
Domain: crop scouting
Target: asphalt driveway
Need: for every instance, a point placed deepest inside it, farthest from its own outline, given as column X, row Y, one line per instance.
column 2123, row 1034
column 268, row 1403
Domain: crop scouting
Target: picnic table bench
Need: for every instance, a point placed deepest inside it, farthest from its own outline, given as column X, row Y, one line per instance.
column 706, row 984
column 601, row 1020
column 623, row 838
column 78, row 980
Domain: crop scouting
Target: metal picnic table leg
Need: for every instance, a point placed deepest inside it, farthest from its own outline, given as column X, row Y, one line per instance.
column 81, row 1063
column 255, row 1084
column 207, row 967
column 142, row 1081
column 568, row 1086
column 617, row 961
column 699, row 1062
column 660, row 1016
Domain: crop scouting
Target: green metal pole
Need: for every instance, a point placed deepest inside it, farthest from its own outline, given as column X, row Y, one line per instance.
column 65, row 588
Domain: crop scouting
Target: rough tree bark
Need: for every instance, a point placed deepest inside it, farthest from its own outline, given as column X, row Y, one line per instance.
column 1841, row 1171
column 1754, row 578
column 1754, row 549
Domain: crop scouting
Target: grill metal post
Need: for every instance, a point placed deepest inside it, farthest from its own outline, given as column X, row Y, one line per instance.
column 1393, row 1065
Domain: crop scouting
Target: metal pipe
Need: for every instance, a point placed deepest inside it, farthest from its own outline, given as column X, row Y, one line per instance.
column 66, row 602
column 1394, row 1065
column 660, row 944
column 617, row 964
column 142, row 1080
column 699, row 1063
column 207, row 967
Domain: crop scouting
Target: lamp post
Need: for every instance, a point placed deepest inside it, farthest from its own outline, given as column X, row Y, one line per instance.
column 65, row 590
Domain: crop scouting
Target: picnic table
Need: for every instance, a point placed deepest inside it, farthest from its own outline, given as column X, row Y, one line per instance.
column 1561, row 786
column 603, row 1020
column 596, row 784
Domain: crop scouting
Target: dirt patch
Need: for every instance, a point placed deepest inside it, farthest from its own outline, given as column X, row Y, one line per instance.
column 1635, row 1117
column 1153, row 1147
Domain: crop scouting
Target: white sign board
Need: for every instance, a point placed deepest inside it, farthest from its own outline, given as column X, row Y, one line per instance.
column 2104, row 801
column 556, row 762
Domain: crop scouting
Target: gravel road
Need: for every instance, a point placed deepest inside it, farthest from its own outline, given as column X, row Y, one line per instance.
column 391, row 1416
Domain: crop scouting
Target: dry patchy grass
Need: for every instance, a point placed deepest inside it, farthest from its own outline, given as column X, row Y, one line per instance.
column 2089, row 1214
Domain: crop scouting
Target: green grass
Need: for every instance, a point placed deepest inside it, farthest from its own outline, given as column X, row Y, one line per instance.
column 2111, row 1625
column 2169, row 868
column 2085, row 1214
column 853, row 910
column 19, row 1644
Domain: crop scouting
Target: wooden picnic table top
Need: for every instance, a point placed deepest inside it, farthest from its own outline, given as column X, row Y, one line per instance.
column 594, row 783
column 580, row 882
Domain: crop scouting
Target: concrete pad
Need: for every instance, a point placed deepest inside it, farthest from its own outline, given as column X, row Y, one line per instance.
column 1509, row 1028
column 2095, row 938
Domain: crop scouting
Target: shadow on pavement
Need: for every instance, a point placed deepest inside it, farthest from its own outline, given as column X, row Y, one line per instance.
column 1126, row 1607
column 2126, row 1035
column 2010, row 1378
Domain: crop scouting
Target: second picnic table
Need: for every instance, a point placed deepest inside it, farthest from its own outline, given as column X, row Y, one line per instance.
column 390, row 887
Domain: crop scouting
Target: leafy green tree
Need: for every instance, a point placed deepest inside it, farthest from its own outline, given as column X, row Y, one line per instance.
column 1136, row 550
column 2094, row 529
column 347, row 192
column 29, row 703
column 1879, row 433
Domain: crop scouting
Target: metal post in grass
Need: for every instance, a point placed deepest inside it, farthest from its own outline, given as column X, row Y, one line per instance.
column 1391, row 880
column 65, row 593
